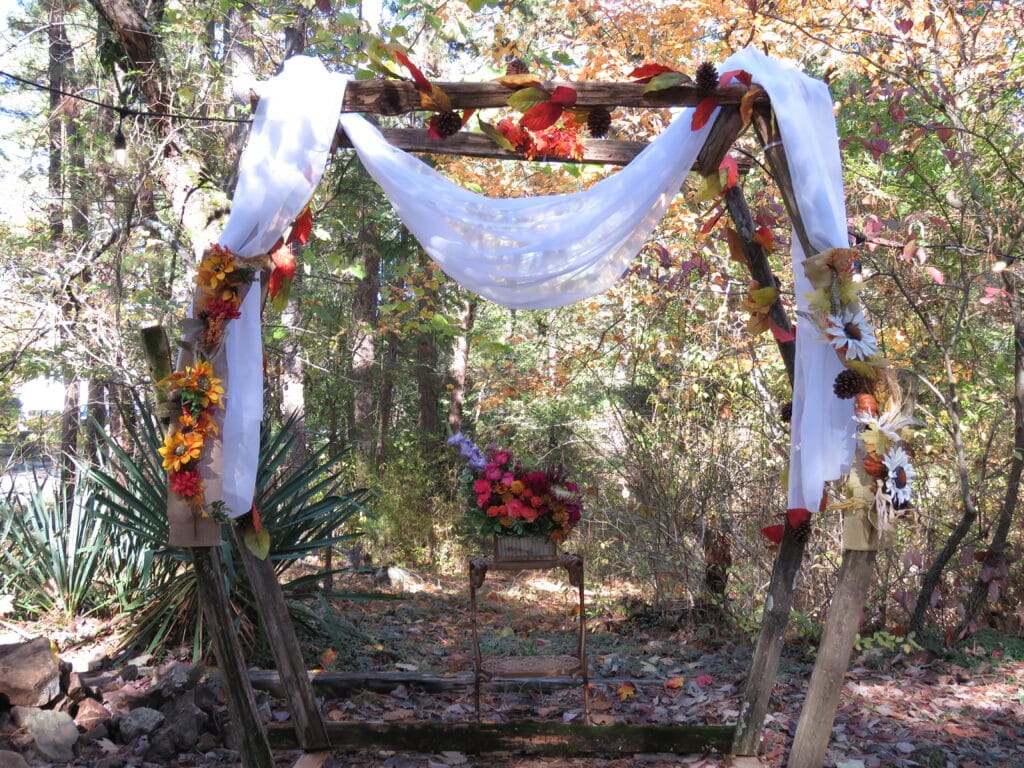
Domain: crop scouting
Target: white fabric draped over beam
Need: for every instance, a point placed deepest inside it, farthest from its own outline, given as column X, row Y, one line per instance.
column 551, row 251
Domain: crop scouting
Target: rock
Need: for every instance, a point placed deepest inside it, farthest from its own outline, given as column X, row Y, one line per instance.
column 161, row 747
column 178, row 678
column 54, row 733
column 30, row 673
column 185, row 721
column 11, row 760
column 207, row 741
column 91, row 714
column 141, row 721
column 129, row 672
column 114, row 761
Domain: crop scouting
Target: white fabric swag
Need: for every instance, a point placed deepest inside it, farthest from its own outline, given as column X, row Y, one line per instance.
column 538, row 252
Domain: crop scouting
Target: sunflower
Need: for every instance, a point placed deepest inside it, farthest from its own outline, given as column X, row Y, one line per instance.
column 901, row 476
column 849, row 332
column 214, row 269
column 180, row 449
column 200, row 379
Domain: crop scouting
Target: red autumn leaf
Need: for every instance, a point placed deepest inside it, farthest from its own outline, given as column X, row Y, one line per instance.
column 434, row 128
column 703, row 113
column 301, row 227
column 936, row 275
column 732, row 172
column 763, row 236
column 541, row 116
column 782, row 336
column 324, row 6
column 418, row 77
column 710, row 223
column 944, row 132
column 727, row 77
column 704, row 680
column 257, row 521
column 644, row 73
column 905, row 25
column 773, row 533
column 564, row 97
column 796, row 516
column 980, row 555
column 284, row 269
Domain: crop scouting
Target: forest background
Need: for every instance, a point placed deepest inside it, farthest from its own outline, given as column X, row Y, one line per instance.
column 655, row 395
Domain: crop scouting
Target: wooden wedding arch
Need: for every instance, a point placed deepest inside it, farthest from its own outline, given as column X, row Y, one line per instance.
column 308, row 731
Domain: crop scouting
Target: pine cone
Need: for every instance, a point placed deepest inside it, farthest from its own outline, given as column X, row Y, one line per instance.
column 786, row 412
column 599, row 120
column 803, row 531
column 706, row 79
column 516, row 67
column 449, row 123
column 849, row 384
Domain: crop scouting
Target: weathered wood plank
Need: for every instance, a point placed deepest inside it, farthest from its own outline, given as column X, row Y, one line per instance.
column 814, row 729
column 284, row 644
column 524, row 736
column 396, row 97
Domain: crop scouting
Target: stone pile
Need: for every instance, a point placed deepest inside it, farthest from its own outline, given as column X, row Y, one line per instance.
column 51, row 715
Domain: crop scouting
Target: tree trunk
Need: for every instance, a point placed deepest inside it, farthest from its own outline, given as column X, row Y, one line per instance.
column 994, row 566
column 364, row 340
column 460, row 364
column 386, row 399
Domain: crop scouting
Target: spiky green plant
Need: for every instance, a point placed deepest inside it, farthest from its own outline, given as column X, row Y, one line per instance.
column 304, row 509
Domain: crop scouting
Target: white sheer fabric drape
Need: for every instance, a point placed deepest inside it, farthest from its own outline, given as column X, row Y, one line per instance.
column 280, row 168
column 551, row 251
column 532, row 252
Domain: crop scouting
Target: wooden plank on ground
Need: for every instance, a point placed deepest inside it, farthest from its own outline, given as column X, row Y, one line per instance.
column 525, row 736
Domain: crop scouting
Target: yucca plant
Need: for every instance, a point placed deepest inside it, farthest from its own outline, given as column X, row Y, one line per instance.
column 53, row 549
column 302, row 508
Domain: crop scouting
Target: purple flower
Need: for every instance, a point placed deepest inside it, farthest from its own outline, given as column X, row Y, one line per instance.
column 474, row 456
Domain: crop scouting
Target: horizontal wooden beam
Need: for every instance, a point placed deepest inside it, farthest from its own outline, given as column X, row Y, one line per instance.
column 396, row 97
column 595, row 151
column 529, row 737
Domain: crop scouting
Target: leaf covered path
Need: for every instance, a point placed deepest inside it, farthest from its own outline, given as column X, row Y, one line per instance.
column 918, row 710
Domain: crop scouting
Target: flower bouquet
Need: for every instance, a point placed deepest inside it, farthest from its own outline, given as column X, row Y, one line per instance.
column 508, row 500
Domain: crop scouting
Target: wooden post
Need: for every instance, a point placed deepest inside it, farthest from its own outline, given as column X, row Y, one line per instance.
column 782, row 589
column 213, row 596
column 273, row 611
column 815, row 726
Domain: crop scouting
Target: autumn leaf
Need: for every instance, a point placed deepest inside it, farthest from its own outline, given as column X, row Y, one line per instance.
column 732, row 172
column 495, row 135
column 735, row 243
column 936, row 275
column 797, row 516
column 327, row 658
column 773, row 533
column 710, row 188
column 705, row 680
column 257, row 542
column 301, row 227
column 727, row 77
column 626, row 691
column 418, row 77
column 526, row 98
column 541, row 116
column 665, row 80
column 324, row 6
column 280, row 281
column 435, row 99
column 563, row 96
column 645, row 73
column 763, row 236
column 674, row 683
column 781, row 335
column 520, row 81
column 747, row 103
column 703, row 113
column 710, row 223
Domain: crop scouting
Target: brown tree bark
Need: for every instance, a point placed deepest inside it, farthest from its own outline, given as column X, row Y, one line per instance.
column 364, row 340
column 460, row 364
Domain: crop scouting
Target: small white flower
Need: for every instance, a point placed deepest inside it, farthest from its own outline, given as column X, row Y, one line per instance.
column 889, row 423
column 899, row 483
column 849, row 331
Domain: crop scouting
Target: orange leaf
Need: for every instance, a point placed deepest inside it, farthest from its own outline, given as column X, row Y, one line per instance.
column 736, row 252
column 764, row 237
column 564, row 97
column 773, row 533
column 435, row 98
column 644, row 73
column 625, row 691
column 284, row 269
column 796, row 516
column 257, row 521
column 524, row 80
column 747, row 103
column 301, row 227
column 674, row 683
column 703, row 113
column 541, row 116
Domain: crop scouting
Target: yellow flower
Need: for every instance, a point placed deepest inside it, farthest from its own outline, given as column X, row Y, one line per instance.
column 180, row 449
column 200, row 379
column 214, row 269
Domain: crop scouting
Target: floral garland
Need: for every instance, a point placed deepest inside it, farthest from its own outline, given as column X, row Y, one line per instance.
column 196, row 392
column 885, row 474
